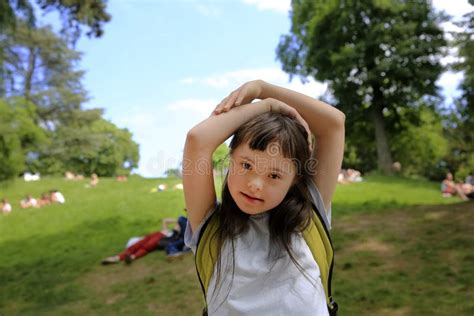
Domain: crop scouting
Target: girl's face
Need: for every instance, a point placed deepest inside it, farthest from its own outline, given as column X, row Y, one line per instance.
column 258, row 181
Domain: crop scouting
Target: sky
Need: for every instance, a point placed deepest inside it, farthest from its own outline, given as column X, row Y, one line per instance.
column 162, row 65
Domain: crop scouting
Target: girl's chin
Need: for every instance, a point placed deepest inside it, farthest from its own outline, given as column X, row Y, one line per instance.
column 251, row 210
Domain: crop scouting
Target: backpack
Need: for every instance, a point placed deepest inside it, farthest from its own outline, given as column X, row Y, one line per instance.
column 316, row 236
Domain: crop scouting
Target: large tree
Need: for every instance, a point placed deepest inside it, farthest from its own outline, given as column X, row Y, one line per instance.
column 88, row 144
column 38, row 65
column 73, row 14
column 460, row 129
column 380, row 58
column 40, row 68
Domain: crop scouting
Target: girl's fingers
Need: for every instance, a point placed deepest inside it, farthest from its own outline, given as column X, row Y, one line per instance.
column 235, row 98
column 230, row 102
column 227, row 103
column 218, row 108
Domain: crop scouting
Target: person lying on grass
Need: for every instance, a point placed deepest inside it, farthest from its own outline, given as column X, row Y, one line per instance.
column 450, row 188
column 172, row 241
column 29, row 202
column 5, row 206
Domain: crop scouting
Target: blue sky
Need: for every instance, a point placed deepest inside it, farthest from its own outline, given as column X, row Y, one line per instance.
column 163, row 65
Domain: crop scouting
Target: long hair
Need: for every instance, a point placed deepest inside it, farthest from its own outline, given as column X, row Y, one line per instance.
column 294, row 213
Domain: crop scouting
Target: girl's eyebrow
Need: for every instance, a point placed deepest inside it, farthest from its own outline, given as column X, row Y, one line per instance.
column 272, row 169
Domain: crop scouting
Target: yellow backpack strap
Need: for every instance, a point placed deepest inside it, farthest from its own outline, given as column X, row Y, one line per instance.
column 206, row 254
column 319, row 242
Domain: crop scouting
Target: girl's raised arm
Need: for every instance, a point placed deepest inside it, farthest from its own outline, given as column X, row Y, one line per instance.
column 327, row 124
column 201, row 141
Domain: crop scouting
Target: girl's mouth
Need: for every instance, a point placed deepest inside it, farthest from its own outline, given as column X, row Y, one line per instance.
column 251, row 199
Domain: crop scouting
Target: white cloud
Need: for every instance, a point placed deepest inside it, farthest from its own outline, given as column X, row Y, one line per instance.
column 233, row 79
column 456, row 8
column 281, row 6
column 202, row 106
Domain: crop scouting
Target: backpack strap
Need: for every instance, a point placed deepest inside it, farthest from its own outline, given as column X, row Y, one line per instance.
column 206, row 255
column 318, row 239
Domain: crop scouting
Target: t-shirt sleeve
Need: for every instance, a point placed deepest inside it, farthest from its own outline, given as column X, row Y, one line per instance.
column 318, row 201
column 190, row 237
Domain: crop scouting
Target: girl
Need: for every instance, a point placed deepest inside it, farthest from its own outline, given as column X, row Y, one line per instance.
column 263, row 265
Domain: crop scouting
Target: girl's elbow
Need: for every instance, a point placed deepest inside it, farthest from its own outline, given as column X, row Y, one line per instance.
column 192, row 137
column 341, row 119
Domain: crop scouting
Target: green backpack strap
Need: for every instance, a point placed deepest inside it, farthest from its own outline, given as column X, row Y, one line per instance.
column 319, row 242
column 206, row 255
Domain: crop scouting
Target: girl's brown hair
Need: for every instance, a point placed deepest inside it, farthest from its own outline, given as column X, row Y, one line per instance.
column 293, row 214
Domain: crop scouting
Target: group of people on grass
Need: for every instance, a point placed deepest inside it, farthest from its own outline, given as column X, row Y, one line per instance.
column 349, row 176
column 46, row 198
column 464, row 190
column 94, row 181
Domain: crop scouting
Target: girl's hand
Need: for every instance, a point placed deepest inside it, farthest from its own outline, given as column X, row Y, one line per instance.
column 244, row 94
column 283, row 108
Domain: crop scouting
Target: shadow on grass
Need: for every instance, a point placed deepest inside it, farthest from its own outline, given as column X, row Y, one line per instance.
column 44, row 274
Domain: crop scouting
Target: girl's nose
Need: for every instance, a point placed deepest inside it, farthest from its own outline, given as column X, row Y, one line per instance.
column 255, row 184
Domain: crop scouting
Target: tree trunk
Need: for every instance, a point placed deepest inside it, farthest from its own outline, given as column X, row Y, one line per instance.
column 384, row 157
column 29, row 73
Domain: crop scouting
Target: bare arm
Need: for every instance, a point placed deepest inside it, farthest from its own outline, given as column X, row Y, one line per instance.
column 167, row 222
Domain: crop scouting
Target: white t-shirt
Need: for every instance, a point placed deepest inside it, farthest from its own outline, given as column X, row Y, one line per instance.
column 59, row 197
column 263, row 283
column 7, row 208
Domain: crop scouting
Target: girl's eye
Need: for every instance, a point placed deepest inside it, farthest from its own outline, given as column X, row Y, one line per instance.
column 274, row 176
column 246, row 165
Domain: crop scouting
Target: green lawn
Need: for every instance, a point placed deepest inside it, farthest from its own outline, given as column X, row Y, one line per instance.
column 401, row 249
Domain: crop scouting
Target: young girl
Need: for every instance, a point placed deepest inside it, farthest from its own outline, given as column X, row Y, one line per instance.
column 264, row 265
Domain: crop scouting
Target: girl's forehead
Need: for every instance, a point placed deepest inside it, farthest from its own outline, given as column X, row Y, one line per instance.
column 272, row 157
column 272, row 150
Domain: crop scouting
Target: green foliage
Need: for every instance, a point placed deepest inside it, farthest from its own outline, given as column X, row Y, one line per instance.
column 380, row 58
column 173, row 173
column 219, row 156
column 19, row 135
column 89, row 144
column 73, row 13
column 40, row 66
column 421, row 148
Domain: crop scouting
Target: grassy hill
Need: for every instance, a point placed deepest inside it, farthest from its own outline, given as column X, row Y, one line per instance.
column 401, row 249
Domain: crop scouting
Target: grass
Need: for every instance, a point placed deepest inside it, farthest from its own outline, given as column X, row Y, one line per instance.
column 401, row 249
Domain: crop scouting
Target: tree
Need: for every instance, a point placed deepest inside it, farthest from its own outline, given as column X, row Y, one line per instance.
column 39, row 66
column 173, row 173
column 73, row 13
column 19, row 136
column 380, row 58
column 89, row 144
column 18, row 14
column 421, row 148
column 460, row 131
